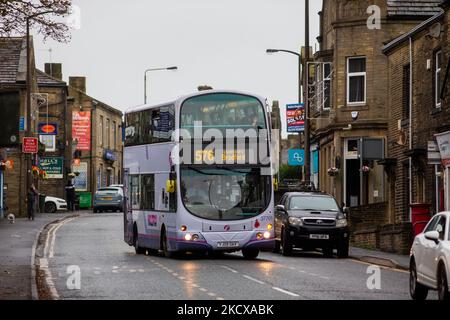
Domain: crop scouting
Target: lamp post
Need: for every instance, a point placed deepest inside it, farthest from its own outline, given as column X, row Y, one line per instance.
column 145, row 78
column 307, row 159
column 29, row 88
column 307, row 176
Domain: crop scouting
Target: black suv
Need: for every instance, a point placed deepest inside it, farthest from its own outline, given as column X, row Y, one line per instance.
column 311, row 220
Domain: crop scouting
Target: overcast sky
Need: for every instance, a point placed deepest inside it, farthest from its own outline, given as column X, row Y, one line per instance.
column 220, row 43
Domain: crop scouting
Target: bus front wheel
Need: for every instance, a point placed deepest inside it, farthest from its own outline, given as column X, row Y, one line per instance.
column 250, row 253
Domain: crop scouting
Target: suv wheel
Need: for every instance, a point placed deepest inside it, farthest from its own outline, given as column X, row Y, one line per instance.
column 342, row 250
column 327, row 252
column 286, row 245
column 417, row 290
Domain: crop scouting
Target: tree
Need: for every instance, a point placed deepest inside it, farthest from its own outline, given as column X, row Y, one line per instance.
column 14, row 13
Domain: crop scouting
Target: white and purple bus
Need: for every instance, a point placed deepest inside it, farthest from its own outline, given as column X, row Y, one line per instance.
column 198, row 175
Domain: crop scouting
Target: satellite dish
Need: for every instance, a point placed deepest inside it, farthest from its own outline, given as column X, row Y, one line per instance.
column 401, row 138
column 435, row 30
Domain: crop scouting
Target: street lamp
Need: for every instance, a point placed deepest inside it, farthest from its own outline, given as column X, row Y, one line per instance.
column 307, row 177
column 145, row 78
column 29, row 88
column 272, row 51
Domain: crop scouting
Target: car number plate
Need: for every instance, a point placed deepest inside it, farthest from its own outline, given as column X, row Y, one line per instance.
column 228, row 244
column 319, row 236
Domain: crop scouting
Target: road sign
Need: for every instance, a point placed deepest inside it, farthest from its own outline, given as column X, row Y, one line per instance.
column 30, row 145
column 296, row 157
column 295, row 117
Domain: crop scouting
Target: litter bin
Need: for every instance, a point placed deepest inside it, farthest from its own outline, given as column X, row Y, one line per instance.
column 421, row 215
column 42, row 203
column 85, row 200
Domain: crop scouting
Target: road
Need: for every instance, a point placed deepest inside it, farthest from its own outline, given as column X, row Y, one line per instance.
column 110, row 269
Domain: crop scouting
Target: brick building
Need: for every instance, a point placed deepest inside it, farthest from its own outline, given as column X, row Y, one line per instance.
column 417, row 63
column 348, row 86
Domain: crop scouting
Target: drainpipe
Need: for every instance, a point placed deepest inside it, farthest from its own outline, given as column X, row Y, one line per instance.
column 410, row 122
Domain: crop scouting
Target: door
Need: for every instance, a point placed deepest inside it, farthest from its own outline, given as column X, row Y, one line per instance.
column 353, row 182
column 127, row 209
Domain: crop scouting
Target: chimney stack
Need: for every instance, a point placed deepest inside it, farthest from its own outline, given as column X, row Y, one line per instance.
column 54, row 70
column 78, row 83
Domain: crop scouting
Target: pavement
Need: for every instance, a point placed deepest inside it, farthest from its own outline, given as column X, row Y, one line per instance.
column 385, row 259
column 17, row 243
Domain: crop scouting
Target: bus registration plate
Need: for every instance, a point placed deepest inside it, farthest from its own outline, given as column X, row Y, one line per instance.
column 228, row 244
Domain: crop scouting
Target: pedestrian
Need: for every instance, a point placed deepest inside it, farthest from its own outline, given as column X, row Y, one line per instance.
column 31, row 201
column 70, row 195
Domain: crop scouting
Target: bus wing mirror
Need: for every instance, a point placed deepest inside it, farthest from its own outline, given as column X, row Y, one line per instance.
column 170, row 186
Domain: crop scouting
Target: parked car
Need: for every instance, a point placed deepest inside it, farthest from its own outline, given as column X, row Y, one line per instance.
column 311, row 220
column 110, row 198
column 430, row 259
column 53, row 204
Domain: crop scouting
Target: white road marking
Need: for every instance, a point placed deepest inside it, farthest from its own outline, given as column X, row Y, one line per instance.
column 212, row 294
column 253, row 279
column 285, row 292
column 203, row 289
column 229, row 269
column 220, row 298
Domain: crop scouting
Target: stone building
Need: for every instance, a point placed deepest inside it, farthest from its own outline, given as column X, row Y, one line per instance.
column 417, row 63
column 13, row 108
column 99, row 157
column 348, row 85
column 54, row 118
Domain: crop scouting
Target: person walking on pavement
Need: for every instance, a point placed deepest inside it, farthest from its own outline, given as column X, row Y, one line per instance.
column 31, row 201
column 70, row 195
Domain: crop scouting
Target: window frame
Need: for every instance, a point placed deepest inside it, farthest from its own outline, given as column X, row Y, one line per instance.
column 356, row 74
column 406, row 94
column 329, row 80
column 437, row 72
column 143, row 205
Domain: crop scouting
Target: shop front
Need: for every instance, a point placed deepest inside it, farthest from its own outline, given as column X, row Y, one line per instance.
column 363, row 178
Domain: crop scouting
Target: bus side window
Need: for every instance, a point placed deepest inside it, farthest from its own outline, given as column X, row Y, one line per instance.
column 148, row 192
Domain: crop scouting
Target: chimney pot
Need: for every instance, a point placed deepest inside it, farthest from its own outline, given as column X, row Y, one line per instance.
column 54, row 70
column 78, row 83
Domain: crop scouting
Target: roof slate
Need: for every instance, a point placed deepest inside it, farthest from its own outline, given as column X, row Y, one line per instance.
column 10, row 52
column 413, row 7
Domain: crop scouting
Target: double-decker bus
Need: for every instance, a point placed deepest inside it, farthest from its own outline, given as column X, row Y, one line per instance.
column 198, row 175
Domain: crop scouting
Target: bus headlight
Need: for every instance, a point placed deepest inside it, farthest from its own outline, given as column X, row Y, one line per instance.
column 183, row 228
column 259, row 236
column 294, row 221
column 267, row 235
column 269, row 227
column 195, row 237
column 188, row 237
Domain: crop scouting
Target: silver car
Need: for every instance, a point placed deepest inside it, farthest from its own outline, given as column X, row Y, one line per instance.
column 110, row 198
